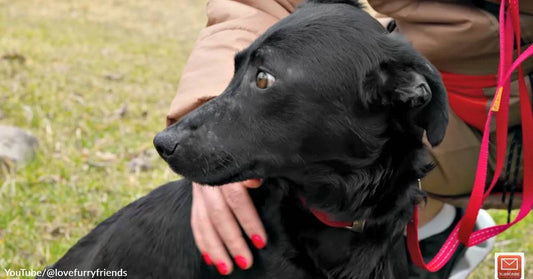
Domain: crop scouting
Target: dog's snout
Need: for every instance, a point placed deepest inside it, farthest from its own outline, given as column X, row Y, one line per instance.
column 165, row 144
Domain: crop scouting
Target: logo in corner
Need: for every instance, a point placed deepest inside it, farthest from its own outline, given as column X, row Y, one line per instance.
column 509, row 265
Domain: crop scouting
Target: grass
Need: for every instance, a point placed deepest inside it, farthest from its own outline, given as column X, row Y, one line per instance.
column 78, row 63
column 68, row 67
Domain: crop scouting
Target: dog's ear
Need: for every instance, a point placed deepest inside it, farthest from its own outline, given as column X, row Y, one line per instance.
column 433, row 117
column 424, row 92
column 413, row 82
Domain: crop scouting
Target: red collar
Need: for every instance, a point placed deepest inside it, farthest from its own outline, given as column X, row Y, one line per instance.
column 357, row 225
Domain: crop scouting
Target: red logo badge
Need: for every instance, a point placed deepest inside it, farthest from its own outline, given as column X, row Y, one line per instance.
column 509, row 265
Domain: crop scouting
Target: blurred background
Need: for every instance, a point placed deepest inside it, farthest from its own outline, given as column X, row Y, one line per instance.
column 89, row 83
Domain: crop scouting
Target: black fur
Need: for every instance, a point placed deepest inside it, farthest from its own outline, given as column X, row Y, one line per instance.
column 341, row 126
column 349, row 2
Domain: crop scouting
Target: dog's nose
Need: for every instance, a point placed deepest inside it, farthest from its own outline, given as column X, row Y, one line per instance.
column 165, row 144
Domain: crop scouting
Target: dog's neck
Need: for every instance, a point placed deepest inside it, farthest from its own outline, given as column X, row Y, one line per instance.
column 363, row 193
column 383, row 195
column 325, row 251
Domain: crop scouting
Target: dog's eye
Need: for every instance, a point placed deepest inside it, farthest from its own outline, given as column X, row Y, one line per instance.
column 264, row 80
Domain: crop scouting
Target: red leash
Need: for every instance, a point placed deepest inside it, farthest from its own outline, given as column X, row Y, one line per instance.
column 463, row 231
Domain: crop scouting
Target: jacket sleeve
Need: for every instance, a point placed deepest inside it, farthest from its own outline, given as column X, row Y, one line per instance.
column 455, row 36
column 232, row 25
column 462, row 39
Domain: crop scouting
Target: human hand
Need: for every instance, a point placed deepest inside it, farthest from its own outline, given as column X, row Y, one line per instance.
column 215, row 217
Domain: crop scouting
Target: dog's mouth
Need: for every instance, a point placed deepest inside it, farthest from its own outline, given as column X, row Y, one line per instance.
column 224, row 174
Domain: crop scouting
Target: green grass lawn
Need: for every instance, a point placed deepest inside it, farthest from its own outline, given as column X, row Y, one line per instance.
column 66, row 69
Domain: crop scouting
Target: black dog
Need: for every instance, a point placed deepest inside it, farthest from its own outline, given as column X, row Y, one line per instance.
column 330, row 111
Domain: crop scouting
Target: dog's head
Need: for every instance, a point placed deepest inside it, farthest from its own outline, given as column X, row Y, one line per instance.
column 326, row 85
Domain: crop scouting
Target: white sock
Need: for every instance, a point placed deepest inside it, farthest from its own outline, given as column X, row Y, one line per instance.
column 439, row 223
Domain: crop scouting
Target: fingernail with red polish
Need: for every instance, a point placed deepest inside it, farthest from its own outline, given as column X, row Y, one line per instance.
column 258, row 241
column 207, row 259
column 222, row 268
column 241, row 262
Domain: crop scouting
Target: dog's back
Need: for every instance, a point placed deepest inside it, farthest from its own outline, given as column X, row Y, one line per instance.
column 149, row 237
column 152, row 238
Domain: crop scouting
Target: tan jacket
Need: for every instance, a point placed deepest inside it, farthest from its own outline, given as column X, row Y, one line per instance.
column 456, row 37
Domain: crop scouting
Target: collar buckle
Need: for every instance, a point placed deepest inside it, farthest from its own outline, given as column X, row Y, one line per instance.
column 357, row 226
